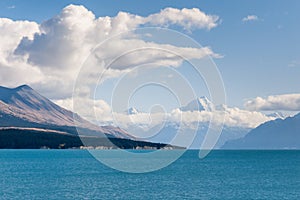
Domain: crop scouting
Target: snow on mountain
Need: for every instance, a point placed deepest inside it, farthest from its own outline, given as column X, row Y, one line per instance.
column 276, row 115
column 195, row 118
column 199, row 104
column 132, row 111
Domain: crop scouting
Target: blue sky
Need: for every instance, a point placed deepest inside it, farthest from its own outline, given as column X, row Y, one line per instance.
column 261, row 57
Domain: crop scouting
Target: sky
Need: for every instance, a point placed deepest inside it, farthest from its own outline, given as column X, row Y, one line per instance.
column 254, row 44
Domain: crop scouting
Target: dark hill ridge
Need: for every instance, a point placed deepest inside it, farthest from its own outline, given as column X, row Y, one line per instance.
column 24, row 107
column 276, row 134
column 35, row 138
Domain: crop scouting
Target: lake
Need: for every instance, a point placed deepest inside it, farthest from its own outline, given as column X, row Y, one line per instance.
column 75, row 174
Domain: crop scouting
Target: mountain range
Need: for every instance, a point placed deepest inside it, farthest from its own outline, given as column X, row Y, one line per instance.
column 188, row 135
column 278, row 133
column 30, row 120
column 23, row 110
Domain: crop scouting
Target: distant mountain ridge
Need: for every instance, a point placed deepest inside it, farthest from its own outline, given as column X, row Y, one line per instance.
column 276, row 134
column 24, row 107
column 166, row 131
column 23, row 110
column 188, row 135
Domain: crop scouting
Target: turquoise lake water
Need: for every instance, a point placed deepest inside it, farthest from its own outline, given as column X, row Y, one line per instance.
column 74, row 174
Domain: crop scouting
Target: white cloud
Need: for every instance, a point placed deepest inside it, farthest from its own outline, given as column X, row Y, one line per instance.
column 11, row 7
column 187, row 18
column 63, row 40
column 49, row 55
column 147, row 52
column 250, row 18
column 12, row 33
column 14, row 70
column 96, row 108
column 70, row 36
column 232, row 117
column 294, row 63
column 286, row 102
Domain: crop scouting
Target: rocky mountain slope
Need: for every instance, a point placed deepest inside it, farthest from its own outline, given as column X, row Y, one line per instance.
column 24, row 107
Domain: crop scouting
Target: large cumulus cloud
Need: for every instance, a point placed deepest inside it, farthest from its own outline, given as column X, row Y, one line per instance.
column 49, row 55
column 14, row 70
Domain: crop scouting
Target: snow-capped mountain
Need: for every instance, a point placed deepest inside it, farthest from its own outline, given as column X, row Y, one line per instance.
column 188, row 128
column 237, row 124
column 277, row 115
column 199, row 104
column 132, row 111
